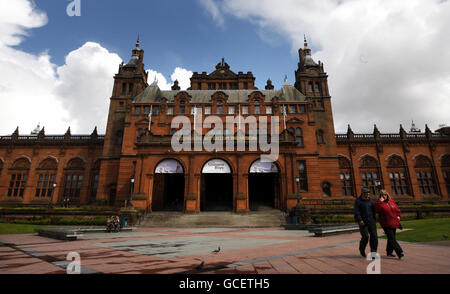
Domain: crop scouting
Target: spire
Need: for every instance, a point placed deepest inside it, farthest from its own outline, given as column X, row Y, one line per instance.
column 175, row 86
column 68, row 134
column 376, row 132
column 305, row 42
column 269, row 85
column 402, row 132
column 428, row 132
column 137, row 42
column 350, row 134
column 94, row 134
column 41, row 134
column 15, row 135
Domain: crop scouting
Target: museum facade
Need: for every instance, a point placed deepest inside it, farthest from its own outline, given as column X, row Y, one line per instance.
column 135, row 160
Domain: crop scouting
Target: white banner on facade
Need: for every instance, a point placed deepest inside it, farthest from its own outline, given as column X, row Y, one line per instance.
column 216, row 166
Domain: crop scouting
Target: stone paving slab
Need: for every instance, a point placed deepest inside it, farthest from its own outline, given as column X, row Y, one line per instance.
column 252, row 251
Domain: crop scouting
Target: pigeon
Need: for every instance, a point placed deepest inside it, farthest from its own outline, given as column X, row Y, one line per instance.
column 217, row 250
column 200, row 266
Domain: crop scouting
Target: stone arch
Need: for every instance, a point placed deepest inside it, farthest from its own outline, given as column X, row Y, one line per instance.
column 395, row 160
column 22, row 162
column 158, row 165
column 230, row 165
column 50, row 162
column 368, row 161
column 445, row 160
column 421, row 160
column 344, row 162
column 76, row 162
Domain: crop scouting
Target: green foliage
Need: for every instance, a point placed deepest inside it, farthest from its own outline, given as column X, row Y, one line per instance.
column 425, row 230
column 91, row 221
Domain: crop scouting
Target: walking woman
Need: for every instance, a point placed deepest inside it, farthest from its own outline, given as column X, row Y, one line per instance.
column 389, row 218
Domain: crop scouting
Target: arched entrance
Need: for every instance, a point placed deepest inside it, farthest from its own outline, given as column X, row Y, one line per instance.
column 168, row 186
column 263, row 185
column 216, row 186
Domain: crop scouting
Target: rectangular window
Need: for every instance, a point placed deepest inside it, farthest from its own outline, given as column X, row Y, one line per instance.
column 346, row 184
column 17, row 185
column 301, row 108
column 199, row 86
column 94, row 187
column 268, row 109
column 302, row 174
column 170, row 110
column 146, row 110
column 310, row 87
column 45, row 185
column 426, row 182
column 245, row 85
column 446, row 174
column 317, row 88
column 124, row 88
column 207, row 109
column 137, row 110
column 369, row 181
column 244, row 109
column 230, row 109
column 155, row 110
column 73, row 185
column 399, row 183
column 292, row 108
column 130, row 89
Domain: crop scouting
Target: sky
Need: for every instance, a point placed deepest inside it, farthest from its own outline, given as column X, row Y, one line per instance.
column 387, row 61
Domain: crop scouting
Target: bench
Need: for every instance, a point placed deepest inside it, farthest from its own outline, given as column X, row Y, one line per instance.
column 334, row 230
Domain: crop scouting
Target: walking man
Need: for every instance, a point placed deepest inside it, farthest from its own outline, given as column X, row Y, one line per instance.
column 365, row 217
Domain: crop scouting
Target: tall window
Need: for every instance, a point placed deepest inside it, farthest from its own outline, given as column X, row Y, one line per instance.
column 257, row 107
column 317, row 88
column 46, row 177
column 207, row 109
column 268, row 109
column 94, row 179
column 219, row 107
column 19, row 177
column 244, row 109
column 182, row 107
column 170, row 110
column 369, row 173
column 124, row 88
column 73, row 178
column 299, row 137
column 320, row 137
column 301, row 108
column 230, row 109
column 345, row 175
column 292, row 108
column 425, row 175
column 397, row 175
column 302, row 174
column 137, row 110
column 445, row 164
column 130, row 88
column 155, row 111
column 310, row 87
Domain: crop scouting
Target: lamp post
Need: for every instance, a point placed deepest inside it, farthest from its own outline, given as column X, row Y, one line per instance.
column 297, row 179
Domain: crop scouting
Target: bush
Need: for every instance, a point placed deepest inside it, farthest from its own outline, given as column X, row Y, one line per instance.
column 95, row 221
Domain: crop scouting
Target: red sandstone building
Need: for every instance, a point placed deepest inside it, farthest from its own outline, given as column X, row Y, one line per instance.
column 134, row 160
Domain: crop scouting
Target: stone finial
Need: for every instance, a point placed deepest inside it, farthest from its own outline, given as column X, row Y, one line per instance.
column 94, row 134
column 428, row 132
column 350, row 134
column 269, row 85
column 15, row 135
column 402, row 132
column 41, row 134
column 376, row 132
column 175, row 86
column 68, row 134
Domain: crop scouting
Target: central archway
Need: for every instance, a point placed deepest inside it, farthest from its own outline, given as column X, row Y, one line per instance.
column 168, row 187
column 263, row 185
column 216, row 186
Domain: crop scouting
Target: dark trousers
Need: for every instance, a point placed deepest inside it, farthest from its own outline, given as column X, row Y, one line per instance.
column 392, row 244
column 368, row 232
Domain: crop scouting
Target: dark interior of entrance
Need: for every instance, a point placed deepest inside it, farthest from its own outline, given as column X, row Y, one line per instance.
column 263, row 190
column 168, row 192
column 217, row 192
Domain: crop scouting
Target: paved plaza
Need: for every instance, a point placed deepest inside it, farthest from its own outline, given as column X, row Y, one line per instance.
column 242, row 251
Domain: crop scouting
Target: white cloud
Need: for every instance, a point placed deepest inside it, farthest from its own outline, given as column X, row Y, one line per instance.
column 183, row 76
column 34, row 90
column 213, row 9
column 386, row 60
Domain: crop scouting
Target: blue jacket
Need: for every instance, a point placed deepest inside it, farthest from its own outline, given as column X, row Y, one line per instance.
column 365, row 210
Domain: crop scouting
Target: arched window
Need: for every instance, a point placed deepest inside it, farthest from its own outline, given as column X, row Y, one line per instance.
column 320, row 137
column 19, row 177
column 369, row 173
column 398, row 176
column 445, row 164
column 74, row 173
column 345, row 168
column 425, row 175
column 46, row 177
column 299, row 137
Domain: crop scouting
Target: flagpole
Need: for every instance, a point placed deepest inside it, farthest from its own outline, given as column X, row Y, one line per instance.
column 284, row 115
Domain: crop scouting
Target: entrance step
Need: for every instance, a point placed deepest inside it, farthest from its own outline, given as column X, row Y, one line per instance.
column 254, row 219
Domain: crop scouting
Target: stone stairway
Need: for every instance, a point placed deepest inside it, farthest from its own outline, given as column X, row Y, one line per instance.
column 218, row 219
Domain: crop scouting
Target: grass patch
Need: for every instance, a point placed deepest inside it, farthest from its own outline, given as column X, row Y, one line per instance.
column 424, row 230
column 19, row 228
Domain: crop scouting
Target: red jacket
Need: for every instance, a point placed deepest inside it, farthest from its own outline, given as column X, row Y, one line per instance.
column 388, row 213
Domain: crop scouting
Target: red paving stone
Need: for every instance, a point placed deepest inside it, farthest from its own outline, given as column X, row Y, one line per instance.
column 298, row 255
